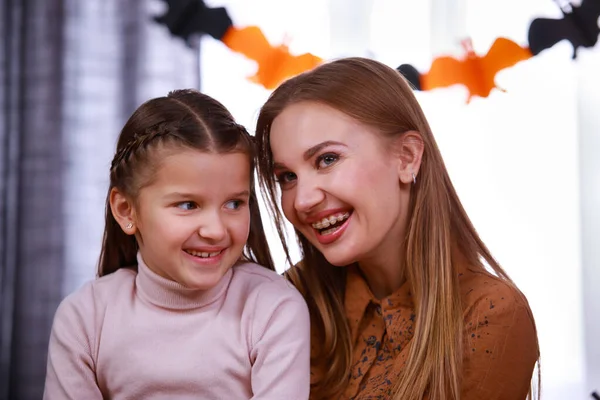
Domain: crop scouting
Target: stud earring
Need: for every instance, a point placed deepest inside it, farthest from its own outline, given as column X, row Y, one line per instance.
column 129, row 226
column 414, row 178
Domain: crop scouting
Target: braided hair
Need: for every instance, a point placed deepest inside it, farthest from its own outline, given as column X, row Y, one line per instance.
column 187, row 119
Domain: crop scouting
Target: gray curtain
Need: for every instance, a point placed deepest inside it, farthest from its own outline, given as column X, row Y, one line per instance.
column 71, row 71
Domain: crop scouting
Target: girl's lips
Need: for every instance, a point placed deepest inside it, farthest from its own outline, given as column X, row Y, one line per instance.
column 207, row 261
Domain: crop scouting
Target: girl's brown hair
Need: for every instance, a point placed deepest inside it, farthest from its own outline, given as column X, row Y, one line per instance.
column 377, row 96
column 184, row 118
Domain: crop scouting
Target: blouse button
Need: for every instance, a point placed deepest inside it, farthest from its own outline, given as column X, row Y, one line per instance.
column 371, row 340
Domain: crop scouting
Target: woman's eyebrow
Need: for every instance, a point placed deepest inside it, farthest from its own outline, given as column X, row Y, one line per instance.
column 308, row 154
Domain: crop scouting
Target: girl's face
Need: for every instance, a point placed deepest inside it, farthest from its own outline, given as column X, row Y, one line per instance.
column 342, row 185
column 193, row 220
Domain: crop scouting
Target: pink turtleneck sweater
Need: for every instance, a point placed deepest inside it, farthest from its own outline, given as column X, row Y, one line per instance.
column 135, row 335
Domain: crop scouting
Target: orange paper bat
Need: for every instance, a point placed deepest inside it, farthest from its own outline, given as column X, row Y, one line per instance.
column 275, row 64
column 475, row 72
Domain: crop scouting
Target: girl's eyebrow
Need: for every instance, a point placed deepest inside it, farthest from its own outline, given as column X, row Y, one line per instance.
column 243, row 193
column 182, row 195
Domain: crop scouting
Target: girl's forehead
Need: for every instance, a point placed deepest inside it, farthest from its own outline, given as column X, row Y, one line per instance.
column 198, row 170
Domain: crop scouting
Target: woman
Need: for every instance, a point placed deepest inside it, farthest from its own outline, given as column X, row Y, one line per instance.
column 406, row 300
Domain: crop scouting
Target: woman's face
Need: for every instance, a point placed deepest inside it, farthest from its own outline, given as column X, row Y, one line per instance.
column 341, row 184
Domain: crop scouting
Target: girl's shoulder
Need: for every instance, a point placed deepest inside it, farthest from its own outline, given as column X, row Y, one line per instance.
column 99, row 291
column 253, row 279
column 268, row 302
column 258, row 274
column 83, row 310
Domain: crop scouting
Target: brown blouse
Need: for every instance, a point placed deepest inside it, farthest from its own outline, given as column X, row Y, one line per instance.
column 500, row 338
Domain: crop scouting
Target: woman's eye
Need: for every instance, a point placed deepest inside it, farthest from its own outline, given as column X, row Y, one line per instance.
column 187, row 205
column 286, row 177
column 326, row 160
column 234, row 204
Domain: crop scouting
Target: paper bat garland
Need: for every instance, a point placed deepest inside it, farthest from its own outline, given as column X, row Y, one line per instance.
column 579, row 26
column 477, row 73
column 186, row 18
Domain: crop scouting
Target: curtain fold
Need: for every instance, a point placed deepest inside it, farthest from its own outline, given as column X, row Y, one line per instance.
column 72, row 72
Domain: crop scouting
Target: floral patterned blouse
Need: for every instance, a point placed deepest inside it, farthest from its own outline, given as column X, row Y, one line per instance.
column 499, row 332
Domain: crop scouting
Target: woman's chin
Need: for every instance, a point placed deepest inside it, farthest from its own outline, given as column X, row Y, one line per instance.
column 339, row 260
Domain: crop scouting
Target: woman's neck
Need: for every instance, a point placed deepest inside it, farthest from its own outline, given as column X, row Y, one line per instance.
column 384, row 274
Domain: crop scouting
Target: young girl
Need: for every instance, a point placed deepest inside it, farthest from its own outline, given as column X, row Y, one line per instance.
column 181, row 308
column 402, row 301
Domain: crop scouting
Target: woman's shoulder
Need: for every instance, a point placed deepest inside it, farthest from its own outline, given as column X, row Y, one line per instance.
column 489, row 297
column 477, row 284
column 500, row 337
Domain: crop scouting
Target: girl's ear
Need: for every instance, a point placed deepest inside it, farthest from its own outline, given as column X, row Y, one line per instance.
column 123, row 211
column 409, row 151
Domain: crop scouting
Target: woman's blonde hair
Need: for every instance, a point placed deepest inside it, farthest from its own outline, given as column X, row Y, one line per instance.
column 377, row 96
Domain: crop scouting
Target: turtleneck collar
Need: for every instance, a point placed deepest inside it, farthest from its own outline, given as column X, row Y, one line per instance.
column 168, row 294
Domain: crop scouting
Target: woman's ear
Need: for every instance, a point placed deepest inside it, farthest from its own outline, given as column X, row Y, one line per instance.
column 123, row 211
column 409, row 149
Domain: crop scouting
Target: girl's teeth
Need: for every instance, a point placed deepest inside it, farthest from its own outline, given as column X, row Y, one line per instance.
column 203, row 254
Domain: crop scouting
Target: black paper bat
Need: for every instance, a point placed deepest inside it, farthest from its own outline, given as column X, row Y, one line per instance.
column 411, row 74
column 579, row 26
column 189, row 17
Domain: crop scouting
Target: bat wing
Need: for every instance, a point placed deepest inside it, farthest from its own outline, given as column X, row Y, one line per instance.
column 447, row 71
column 282, row 65
column 503, row 54
column 590, row 12
column 294, row 65
column 249, row 41
column 411, row 74
column 291, row 66
column 545, row 33
column 173, row 3
column 213, row 21
column 586, row 15
column 177, row 16
column 188, row 17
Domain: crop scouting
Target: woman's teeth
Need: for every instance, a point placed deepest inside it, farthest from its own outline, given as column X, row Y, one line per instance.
column 203, row 254
column 331, row 220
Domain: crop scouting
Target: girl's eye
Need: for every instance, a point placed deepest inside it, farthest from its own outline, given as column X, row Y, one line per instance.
column 326, row 160
column 234, row 204
column 187, row 205
column 286, row 177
